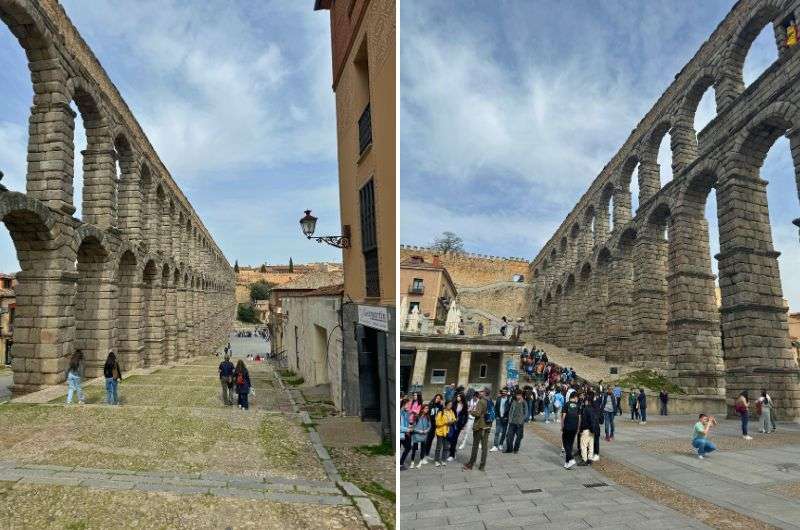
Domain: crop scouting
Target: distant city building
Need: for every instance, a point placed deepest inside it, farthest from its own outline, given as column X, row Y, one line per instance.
column 427, row 285
column 7, row 308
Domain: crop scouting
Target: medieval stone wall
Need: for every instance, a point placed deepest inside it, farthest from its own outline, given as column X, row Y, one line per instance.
column 503, row 299
column 139, row 274
column 637, row 285
column 471, row 270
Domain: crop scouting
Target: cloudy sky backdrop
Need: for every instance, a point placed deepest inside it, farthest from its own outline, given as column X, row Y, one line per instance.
column 509, row 113
column 236, row 98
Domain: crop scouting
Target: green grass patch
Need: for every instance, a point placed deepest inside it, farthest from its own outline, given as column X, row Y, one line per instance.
column 286, row 373
column 373, row 488
column 650, row 380
column 294, row 381
column 383, row 449
column 279, row 448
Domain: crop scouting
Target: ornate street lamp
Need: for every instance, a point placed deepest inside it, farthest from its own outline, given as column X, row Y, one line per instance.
column 309, row 223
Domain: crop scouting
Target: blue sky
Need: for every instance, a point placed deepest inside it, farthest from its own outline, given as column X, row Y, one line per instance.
column 236, row 98
column 510, row 109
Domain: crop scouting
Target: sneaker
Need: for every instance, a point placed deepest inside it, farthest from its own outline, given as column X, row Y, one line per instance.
column 450, row 459
column 570, row 464
column 493, row 449
column 748, row 437
column 700, row 457
column 595, row 458
column 546, row 422
column 411, row 465
column 608, row 438
column 437, row 464
column 81, row 402
column 642, row 423
column 583, row 463
column 467, row 467
column 444, row 464
column 761, row 431
column 460, row 447
column 424, row 460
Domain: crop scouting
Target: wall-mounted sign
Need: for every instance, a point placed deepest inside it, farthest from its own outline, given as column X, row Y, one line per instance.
column 373, row 317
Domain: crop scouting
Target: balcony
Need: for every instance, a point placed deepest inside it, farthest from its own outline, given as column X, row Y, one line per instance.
column 364, row 131
column 416, row 289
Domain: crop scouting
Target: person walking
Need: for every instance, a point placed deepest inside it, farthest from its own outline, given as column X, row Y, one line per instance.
column 472, row 402
column 570, row 421
column 641, row 403
column 632, row 405
column 742, row 407
column 483, row 414
column 609, row 408
column 587, row 423
column 445, row 420
column 700, row 439
column 765, row 406
column 558, row 404
column 516, row 423
column 434, row 407
column 420, row 434
column 75, row 373
column 226, row 370
column 663, row 398
column 242, row 379
column 501, row 408
column 113, row 375
column 618, row 398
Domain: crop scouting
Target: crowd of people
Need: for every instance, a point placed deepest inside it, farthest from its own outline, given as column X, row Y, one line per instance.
column 249, row 334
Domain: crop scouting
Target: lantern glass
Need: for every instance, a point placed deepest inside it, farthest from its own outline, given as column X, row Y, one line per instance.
column 308, row 224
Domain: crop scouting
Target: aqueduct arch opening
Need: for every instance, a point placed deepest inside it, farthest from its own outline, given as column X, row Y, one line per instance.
column 660, row 308
column 108, row 281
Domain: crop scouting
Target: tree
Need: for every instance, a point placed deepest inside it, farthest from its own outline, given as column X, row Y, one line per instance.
column 236, row 267
column 246, row 313
column 264, row 268
column 261, row 290
column 291, row 265
column 448, row 242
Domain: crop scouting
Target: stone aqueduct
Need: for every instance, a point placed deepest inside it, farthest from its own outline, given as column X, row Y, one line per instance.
column 140, row 274
column 642, row 289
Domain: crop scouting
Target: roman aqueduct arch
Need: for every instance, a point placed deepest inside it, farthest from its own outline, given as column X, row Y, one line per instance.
column 639, row 287
column 139, row 274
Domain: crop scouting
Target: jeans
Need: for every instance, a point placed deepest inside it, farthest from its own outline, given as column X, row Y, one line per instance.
column 514, row 436
column 634, row 413
column 547, row 412
column 557, row 413
column 663, row 410
column 416, row 453
column 479, row 438
column 442, row 448
column 454, row 443
column 703, row 446
column 745, row 419
column 111, row 391
column 529, row 410
column 243, row 400
column 643, row 412
column 568, row 441
column 74, row 385
column 501, row 425
column 609, row 423
column 619, row 404
column 405, row 442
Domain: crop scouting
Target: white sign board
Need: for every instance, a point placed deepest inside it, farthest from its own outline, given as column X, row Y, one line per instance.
column 373, row 317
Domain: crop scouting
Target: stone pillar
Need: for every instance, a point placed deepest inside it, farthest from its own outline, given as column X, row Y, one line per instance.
column 601, row 224
column 130, row 202
column 683, row 143
column 463, row 368
column 129, row 317
column 50, row 147
column 693, row 331
column 170, row 322
column 650, row 299
column 98, row 324
column 619, row 310
column 154, row 320
column 622, row 207
column 420, row 367
column 563, row 320
column 574, row 341
column 649, row 180
column 183, row 351
column 757, row 350
column 99, row 186
column 595, row 335
column 43, row 328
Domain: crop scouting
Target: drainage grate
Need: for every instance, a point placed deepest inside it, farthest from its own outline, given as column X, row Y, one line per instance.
column 537, row 490
column 595, row 485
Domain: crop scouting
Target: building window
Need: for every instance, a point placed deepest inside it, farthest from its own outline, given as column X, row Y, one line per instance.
column 483, row 370
column 411, row 307
column 369, row 240
column 364, row 130
column 417, row 286
column 438, row 376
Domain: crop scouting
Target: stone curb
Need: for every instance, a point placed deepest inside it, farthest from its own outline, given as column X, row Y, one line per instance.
column 364, row 504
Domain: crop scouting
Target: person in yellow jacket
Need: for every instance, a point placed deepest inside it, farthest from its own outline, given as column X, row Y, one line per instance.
column 791, row 33
column 444, row 420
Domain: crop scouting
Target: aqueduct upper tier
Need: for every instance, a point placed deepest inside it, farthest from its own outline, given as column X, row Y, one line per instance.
column 139, row 274
column 638, row 286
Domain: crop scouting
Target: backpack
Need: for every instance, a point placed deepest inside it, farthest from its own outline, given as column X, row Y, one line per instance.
column 490, row 412
column 240, row 378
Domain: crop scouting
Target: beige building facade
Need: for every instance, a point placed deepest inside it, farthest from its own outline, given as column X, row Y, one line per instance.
column 8, row 307
column 427, row 286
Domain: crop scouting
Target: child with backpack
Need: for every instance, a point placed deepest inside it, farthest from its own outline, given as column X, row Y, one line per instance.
column 242, row 380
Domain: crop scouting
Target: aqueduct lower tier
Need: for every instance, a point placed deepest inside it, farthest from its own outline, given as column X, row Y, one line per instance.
column 139, row 274
column 639, row 288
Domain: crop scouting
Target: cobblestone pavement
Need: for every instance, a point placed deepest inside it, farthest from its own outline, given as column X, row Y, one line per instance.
column 527, row 490
column 743, row 476
column 171, row 439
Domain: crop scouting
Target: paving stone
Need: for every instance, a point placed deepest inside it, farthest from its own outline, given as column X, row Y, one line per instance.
column 106, row 484
column 60, row 481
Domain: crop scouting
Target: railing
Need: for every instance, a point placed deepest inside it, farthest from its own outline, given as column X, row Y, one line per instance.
column 364, row 130
column 416, row 289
